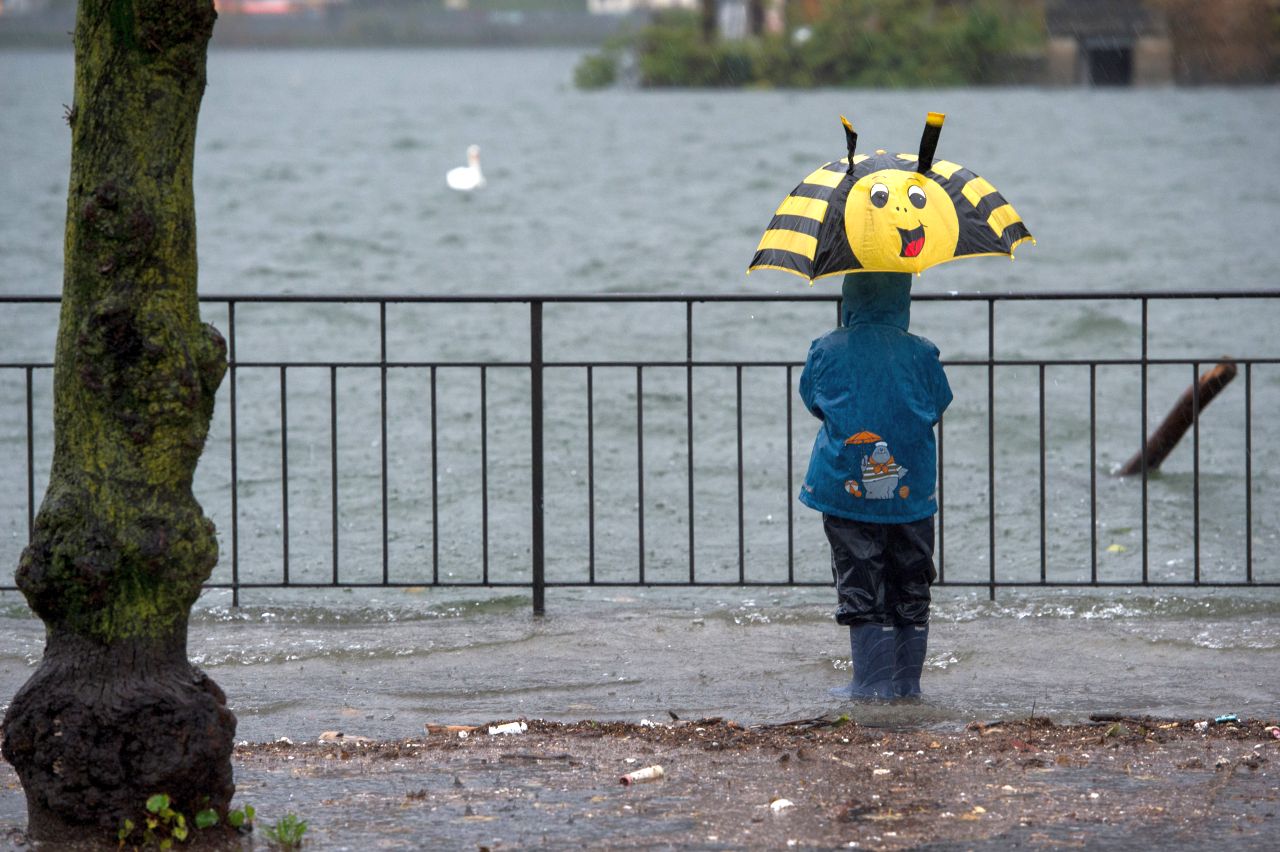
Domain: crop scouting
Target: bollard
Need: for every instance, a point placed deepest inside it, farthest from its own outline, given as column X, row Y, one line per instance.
column 1180, row 418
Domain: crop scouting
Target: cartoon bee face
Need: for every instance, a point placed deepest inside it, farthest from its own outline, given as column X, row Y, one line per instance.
column 903, row 222
column 888, row 213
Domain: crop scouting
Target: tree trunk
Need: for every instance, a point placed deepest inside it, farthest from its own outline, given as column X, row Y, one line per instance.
column 708, row 19
column 115, row 711
column 755, row 17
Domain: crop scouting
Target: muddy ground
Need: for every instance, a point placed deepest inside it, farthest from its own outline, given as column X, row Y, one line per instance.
column 1114, row 783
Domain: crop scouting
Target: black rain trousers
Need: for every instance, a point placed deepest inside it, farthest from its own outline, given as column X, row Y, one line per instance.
column 882, row 572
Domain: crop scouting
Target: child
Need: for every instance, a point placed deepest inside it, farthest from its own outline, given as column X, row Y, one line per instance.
column 878, row 391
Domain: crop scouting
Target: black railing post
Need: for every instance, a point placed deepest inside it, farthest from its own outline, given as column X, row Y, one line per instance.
column 991, row 445
column 1248, row 473
column 235, row 478
column 640, row 467
column 432, row 393
column 382, row 400
column 333, row 465
column 791, row 526
column 284, row 474
column 1142, row 442
column 1044, row 549
column 688, row 424
column 742, row 546
column 539, row 579
column 31, row 460
column 1195, row 465
column 484, row 473
column 591, row 477
column 1093, row 474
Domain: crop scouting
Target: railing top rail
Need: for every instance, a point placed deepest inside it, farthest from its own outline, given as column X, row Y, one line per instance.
column 831, row 295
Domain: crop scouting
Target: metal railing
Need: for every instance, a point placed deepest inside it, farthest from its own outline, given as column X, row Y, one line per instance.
column 1017, row 541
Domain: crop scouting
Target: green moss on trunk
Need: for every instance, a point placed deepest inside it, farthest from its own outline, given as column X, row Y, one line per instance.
column 121, row 547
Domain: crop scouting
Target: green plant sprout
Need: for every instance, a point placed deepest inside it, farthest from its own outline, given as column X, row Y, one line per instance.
column 287, row 832
column 241, row 819
column 163, row 825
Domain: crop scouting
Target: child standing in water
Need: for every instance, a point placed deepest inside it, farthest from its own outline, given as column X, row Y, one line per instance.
column 878, row 391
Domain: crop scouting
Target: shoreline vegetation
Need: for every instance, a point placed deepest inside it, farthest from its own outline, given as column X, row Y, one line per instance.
column 865, row 43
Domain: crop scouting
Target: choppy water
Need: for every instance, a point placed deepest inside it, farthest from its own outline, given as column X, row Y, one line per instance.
column 322, row 172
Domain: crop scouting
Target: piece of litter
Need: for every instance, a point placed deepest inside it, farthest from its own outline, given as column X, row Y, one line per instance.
column 340, row 737
column 649, row 773
column 648, row 723
column 462, row 735
column 432, row 728
column 1116, row 548
column 781, row 804
column 508, row 728
column 879, row 772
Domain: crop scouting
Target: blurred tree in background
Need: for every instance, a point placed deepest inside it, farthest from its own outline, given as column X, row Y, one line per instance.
column 886, row 43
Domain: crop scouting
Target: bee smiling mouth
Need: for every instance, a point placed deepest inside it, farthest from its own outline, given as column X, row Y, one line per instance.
column 912, row 241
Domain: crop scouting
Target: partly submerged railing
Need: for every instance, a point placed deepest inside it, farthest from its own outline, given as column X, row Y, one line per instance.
column 662, row 458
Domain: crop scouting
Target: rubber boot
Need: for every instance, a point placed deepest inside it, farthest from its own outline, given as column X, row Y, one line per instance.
column 910, row 644
column 873, row 660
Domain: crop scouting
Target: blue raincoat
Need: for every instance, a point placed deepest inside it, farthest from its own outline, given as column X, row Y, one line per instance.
column 878, row 391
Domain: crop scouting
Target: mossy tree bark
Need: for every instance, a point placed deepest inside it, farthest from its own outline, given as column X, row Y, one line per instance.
column 115, row 711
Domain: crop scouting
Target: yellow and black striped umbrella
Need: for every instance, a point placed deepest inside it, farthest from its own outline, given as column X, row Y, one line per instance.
column 888, row 213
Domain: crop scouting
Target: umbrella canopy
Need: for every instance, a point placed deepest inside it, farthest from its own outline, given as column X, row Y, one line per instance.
column 888, row 213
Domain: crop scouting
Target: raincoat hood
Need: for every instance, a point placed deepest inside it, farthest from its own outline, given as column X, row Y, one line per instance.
column 883, row 298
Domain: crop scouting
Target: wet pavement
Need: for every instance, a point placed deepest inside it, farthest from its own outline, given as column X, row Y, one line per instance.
column 1020, row 784
column 381, row 667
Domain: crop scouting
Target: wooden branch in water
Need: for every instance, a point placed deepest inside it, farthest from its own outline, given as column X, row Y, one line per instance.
column 1180, row 418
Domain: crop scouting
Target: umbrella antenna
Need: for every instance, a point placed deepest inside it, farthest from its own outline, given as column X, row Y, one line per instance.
column 929, row 141
column 850, row 138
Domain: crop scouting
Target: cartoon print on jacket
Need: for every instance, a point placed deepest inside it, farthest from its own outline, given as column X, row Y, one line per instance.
column 880, row 473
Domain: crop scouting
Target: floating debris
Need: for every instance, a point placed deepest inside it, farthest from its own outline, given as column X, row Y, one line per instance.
column 432, row 728
column 649, row 773
column 340, row 737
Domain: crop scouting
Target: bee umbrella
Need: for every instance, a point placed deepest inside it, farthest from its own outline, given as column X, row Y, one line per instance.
column 888, row 213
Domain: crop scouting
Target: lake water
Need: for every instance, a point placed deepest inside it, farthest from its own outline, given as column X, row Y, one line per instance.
column 322, row 173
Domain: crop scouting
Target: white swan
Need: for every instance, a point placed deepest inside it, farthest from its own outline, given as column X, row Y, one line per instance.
column 468, row 177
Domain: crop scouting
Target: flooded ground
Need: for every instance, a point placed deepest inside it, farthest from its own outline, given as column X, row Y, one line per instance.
column 1118, row 785
column 381, row 664
column 1114, row 784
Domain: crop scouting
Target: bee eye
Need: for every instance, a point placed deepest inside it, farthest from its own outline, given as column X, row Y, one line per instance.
column 879, row 195
column 917, row 196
